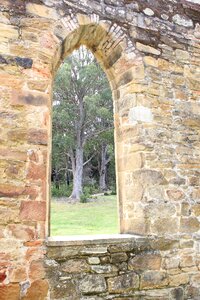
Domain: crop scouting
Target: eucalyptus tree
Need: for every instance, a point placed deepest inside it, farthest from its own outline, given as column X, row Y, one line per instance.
column 82, row 114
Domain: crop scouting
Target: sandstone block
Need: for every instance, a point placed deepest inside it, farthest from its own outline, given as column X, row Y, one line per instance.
column 164, row 210
column 38, row 85
column 18, row 274
column 62, row 252
column 7, row 190
column 8, row 32
column 93, row 260
column 187, row 261
column 22, row 232
column 123, row 283
column 94, row 250
column 33, row 211
column 165, row 225
column 182, row 20
column 150, row 61
column 172, row 262
column 146, row 261
column 189, row 225
column 36, row 270
column 105, row 269
column 68, row 291
column 92, row 284
column 147, row 49
column 175, row 194
column 127, row 247
column 130, row 162
column 196, row 209
column 36, row 172
column 153, row 279
column 182, row 55
column 178, row 279
column 9, row 214
column 11, row 292
column 41, row 11
column 27, row 98
column 37, row 290
column 75, row 266
column 118, row 257
column 37, row 136
column 149, row 177
column 134, row 225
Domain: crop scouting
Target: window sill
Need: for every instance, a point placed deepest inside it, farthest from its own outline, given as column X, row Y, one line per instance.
column 56, row 241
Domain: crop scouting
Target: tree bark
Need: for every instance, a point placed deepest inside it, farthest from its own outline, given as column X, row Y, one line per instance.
column 103, row 168
column 78, row 175
column 77, row 165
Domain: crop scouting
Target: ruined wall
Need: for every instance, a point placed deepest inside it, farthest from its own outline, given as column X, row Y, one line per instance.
column 126, row 268
column 150, row 52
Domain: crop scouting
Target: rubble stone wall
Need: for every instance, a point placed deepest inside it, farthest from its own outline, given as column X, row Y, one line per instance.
column 150, row 51
column 126, row 268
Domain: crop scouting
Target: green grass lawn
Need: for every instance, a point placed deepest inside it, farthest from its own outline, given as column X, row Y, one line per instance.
column 96, row 217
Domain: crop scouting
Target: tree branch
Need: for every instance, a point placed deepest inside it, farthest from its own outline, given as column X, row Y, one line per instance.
column 87, row 161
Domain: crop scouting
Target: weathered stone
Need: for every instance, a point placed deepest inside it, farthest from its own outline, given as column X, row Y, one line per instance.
column 36, row 270
column 93, row 260
column 175, row 194
column 105, row 269
column 11, row 292
column 94, row 250
column 22, row 232
column 145, row 261
column 182, row 20
column 147, row 49
column 149, row 177
column 18, row 274
column 75, row 266
column 118, row 257
column 165, row 225
column 151, row 56
column 33, row 211
column 177, row 294
column 29, row 99
column 123, row 283
column 7, row 190
column 140, row 114
column 37, row 136
column 178, row 279
column 92, row 284
column 153, row 279
column 190, row 224
column 37, row 290
column 148, row 11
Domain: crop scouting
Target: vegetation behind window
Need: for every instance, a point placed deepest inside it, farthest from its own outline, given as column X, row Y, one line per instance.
column 83, row 143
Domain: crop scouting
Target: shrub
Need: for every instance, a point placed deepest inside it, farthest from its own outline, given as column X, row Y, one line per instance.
column 63, row 191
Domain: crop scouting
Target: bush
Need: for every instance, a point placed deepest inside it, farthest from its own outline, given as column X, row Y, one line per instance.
column 63, row 191
column 87, row 191
column 113, row 190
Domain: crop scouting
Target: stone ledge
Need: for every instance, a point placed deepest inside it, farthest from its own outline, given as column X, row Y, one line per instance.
column 56, row 241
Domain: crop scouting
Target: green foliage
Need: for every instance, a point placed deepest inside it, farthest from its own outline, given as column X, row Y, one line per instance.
column 63, row 191
column 80, row 78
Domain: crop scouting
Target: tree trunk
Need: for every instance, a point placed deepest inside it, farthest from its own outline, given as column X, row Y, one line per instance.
column 78, row 175
column 103, row 168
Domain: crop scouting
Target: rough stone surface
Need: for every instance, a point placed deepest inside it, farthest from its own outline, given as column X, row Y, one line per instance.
column 150, row 51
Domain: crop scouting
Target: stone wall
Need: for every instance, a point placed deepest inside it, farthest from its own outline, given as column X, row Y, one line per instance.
column 150, row 51
column 130, row 268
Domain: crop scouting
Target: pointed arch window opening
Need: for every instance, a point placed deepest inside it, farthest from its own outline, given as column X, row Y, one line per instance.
column 81, row 120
